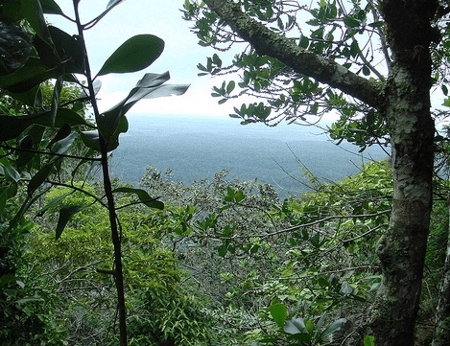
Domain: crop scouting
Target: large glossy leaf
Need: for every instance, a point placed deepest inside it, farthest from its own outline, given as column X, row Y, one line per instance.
column 15, row 47
column 143, row 196
column 65, row 214
column 133, row 55
column 150, row 86
column 64, row 52
column 295, row 326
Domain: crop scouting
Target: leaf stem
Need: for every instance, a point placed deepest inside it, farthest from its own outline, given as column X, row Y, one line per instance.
column 118, row 271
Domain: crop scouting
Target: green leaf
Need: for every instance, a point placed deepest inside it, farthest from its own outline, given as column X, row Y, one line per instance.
column 279, row 314
column 63, row 132
column 143, row 196
column 304, row 42
column 15, row 47
column 217, row 60
column 34, row 14
column 366, row 70
column 230, row 87
column 7, row 192
column 133, row 55
column 50, row 7
column 333, row 327
column 346, row 289
column 65, row 214
column 150, row 86
column 39, row 178
column 351, row 22
column 295, row 326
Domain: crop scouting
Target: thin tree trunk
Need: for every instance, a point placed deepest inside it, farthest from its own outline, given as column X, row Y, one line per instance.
column 442, row 330
column 402, row 249
column 116, row 239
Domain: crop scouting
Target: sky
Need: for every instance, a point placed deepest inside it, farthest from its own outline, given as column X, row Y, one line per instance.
column 180, row 56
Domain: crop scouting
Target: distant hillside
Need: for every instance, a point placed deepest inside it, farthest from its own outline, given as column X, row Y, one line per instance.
column 196, row 148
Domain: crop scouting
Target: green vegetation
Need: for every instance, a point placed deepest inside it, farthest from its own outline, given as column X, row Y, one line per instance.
column 220, row 262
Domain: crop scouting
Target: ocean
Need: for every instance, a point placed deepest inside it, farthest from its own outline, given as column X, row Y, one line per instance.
column 196, row 147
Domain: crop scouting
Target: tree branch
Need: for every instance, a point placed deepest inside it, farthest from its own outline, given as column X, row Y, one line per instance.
column 267, row 42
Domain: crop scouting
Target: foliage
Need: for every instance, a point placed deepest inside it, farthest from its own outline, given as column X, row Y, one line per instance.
column 248, row 251
column 160, row 307
column 45, row 141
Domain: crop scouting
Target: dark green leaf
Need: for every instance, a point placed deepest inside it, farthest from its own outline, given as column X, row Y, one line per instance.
column 15, row 47
column 304, row 42
column 133, row 55
column 376, row 24
column 62, row 146
column 63, row 132
column 143, row 196
column 351, row 22
column 7, row 192
column 217, row 60
column 65, row 214
column 39, row 178
column 50, row 7
column 366, row 70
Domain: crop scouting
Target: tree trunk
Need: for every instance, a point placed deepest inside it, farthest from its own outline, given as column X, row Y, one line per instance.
column 442, row 329
column 406, row 106
column 402, row 249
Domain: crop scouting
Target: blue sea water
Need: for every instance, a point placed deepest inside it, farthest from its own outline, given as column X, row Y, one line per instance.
column 196, row 147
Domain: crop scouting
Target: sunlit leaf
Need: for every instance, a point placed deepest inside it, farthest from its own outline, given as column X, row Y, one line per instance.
column 279, row 314
column 133, row 55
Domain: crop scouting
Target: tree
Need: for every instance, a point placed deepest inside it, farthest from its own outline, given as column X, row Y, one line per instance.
column 37, row 139
column 336, row 66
